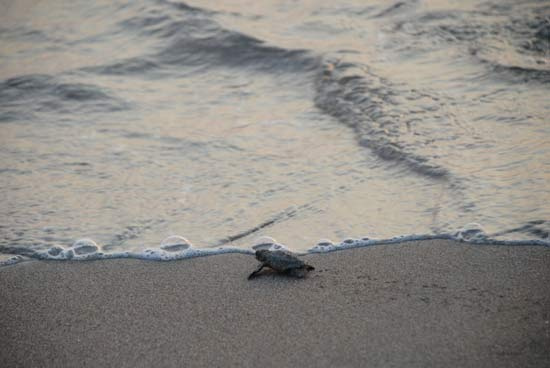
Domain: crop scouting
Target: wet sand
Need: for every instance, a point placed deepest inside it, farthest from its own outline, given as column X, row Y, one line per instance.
column 429, row 303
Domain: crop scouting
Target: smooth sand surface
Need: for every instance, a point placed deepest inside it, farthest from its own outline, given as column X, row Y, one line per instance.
column 430, row 303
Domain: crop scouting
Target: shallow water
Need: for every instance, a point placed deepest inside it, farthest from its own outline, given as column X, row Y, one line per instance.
column 129, row 122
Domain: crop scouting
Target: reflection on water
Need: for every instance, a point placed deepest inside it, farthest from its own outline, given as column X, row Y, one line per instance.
column 127, row 122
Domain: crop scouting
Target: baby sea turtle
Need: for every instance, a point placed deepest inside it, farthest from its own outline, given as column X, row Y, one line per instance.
column 281, row 261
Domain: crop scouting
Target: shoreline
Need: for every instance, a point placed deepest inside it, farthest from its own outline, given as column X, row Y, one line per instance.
column 88, row 250
column 418, row 303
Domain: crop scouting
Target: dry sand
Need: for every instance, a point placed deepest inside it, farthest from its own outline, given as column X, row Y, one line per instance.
column 430, row 303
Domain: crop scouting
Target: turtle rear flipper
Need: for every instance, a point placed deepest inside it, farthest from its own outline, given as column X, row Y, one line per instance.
column 256, row 271
column 309, row 268
column 298, row 272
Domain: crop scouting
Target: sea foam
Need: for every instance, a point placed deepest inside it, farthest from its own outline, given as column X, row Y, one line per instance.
column 177, row 247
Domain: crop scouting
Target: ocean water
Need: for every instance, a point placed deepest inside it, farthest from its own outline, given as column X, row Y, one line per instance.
column 166, row 129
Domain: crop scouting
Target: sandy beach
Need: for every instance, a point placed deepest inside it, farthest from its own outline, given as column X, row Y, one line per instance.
column 430, row 303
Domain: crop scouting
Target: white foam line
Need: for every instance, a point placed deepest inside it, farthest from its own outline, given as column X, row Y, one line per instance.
column 11, row 260
column 148, row 254
column 361, row 243
column 93, row 252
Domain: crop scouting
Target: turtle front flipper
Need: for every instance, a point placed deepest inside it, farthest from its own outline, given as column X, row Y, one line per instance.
column 256, row 271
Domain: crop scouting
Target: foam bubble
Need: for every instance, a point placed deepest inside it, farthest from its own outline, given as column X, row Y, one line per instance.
column 11, row 260
column 175, row 243
column 55, row 251
column 267, row 243
column 323, row 245
column 84, row 246
column 263, row 242
column 68, row 254
column 471, row 232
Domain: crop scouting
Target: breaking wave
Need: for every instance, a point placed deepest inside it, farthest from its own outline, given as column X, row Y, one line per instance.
column 369, row 105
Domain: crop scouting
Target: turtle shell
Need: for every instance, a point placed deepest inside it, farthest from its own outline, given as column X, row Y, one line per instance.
column 279, row 260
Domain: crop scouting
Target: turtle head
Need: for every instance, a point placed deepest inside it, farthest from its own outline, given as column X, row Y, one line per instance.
column 262, row 255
